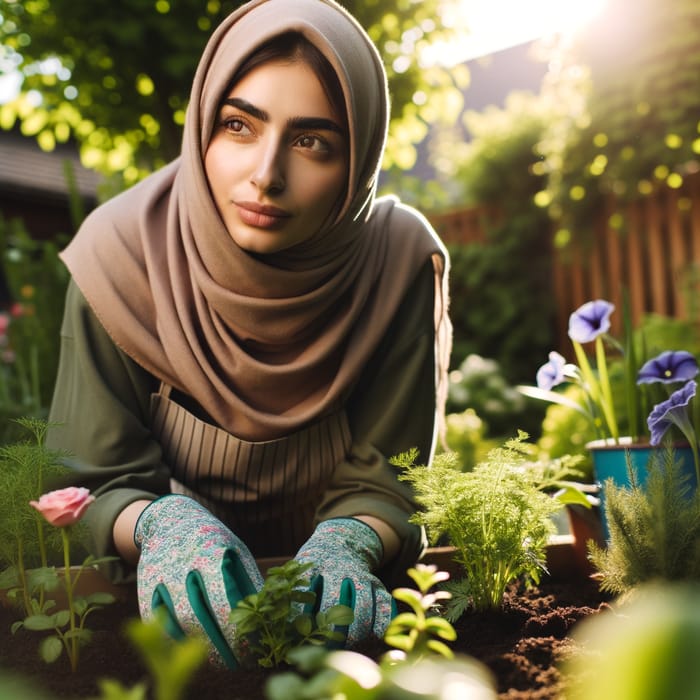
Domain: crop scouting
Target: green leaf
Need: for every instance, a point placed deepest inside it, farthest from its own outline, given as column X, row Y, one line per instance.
column 84, row 634
column 61, row 618
column 303, row 625
column 406, row 619
column 408, row 596
column 80, row 605
column 39, row 623
column 400, row 641
column 306, row 597
column 9, row 577
column 111, row 689
column 45, row 577
column 100, row 598
column 570, row 495
column 337, row 615
column 440, row 648
column 50, row 649
column 16, row 626
column 440, row 627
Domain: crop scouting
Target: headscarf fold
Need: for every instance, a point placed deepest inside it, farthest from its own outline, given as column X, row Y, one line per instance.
column 264, row 343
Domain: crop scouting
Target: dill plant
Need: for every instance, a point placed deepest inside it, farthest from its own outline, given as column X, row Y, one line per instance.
column 654, row 528
column 27, row 468
column 498, row 517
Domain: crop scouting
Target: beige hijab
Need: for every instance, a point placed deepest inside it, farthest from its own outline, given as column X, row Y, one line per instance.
column 265, row 344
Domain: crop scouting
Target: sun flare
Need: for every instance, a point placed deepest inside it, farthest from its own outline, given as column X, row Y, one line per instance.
column 491, row 25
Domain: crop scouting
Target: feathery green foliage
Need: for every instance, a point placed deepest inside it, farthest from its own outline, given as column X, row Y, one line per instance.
column 497, row 516
column 26, row 470
column 654, row 530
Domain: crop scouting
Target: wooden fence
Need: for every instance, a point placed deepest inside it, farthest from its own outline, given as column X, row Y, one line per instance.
column 655, row 257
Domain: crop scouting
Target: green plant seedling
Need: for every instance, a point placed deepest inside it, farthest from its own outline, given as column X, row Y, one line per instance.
column 413, row 633
column 171, row 663
column 279, row 617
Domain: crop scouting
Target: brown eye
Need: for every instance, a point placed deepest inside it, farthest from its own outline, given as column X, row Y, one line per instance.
column 313, row 143
column 235, row 125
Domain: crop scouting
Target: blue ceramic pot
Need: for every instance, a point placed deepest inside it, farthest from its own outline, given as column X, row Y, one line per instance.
column 610, row 462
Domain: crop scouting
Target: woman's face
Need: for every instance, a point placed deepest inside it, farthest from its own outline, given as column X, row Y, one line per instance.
column 277, row 162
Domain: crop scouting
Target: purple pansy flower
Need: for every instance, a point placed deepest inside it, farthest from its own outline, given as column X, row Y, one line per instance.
column 552, row 372
column 669, row 366
column 590, row 320
column 673, row 411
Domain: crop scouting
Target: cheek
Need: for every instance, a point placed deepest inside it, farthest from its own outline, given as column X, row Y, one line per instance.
column 323, row 190
column 214, row 167
column 221, row 167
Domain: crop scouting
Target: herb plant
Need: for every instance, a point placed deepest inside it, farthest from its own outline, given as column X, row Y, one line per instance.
column 420, row 659
column 654, row 529
column 267, row 622
column 497, row 516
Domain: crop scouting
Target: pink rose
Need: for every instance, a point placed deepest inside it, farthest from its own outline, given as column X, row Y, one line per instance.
column 65, row 506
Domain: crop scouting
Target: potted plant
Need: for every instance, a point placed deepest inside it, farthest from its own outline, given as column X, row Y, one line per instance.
column 646, row 390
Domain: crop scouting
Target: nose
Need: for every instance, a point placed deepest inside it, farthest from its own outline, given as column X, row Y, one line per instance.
column 269, row 174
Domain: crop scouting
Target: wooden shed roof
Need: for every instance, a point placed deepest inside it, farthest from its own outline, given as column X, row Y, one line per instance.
column 26, row 169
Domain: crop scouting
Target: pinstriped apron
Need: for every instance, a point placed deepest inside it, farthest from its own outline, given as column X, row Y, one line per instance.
column 266, row 492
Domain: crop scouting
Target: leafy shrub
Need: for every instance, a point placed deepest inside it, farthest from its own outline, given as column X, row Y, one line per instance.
column 279, row 617
column 479, row 384
column 497, row 516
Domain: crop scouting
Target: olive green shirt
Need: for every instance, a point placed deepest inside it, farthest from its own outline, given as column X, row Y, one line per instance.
column 101, row 408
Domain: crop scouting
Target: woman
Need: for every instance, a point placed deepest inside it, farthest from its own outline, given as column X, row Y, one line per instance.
column 249, row 336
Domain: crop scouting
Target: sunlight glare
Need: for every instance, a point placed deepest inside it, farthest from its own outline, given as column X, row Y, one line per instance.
column 493, row 25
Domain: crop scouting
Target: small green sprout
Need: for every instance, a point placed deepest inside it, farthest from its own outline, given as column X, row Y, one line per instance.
column 412, row 633
column 267, row 622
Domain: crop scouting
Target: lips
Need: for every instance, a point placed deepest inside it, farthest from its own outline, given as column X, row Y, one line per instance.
column 261, row 215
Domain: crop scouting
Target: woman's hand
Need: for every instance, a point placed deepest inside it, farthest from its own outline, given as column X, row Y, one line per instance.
column 196, row 569
column 345, row 553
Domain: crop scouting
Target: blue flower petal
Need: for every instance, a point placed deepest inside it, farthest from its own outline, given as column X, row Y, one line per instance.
column 590, row 320
column 673, row 411
column 551, row 373
column 669, row 366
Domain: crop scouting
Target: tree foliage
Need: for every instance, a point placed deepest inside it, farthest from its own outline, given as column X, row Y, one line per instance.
column 628, row 92
column 116, row 76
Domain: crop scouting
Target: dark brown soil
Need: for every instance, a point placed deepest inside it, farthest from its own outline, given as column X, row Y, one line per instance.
column 522, row 645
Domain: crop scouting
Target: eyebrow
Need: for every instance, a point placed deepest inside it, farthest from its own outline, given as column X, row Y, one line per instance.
column 294, row 122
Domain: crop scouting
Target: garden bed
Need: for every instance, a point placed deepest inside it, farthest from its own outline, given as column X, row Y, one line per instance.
column 522, row 645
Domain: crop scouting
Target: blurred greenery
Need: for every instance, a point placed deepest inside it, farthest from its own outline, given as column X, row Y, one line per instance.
column 116, row 76
column 30, row 327
column 501, row 307
column 626, row 93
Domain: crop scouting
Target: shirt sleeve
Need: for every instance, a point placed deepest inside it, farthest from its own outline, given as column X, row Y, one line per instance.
column 391, row 410
column 100, row 396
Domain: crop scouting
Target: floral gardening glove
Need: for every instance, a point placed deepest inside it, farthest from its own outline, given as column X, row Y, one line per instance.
column 192, row 565
column 344, row 553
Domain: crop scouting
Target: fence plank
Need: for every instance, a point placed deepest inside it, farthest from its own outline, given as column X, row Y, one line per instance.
column 656, row 258
column 634, row 272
